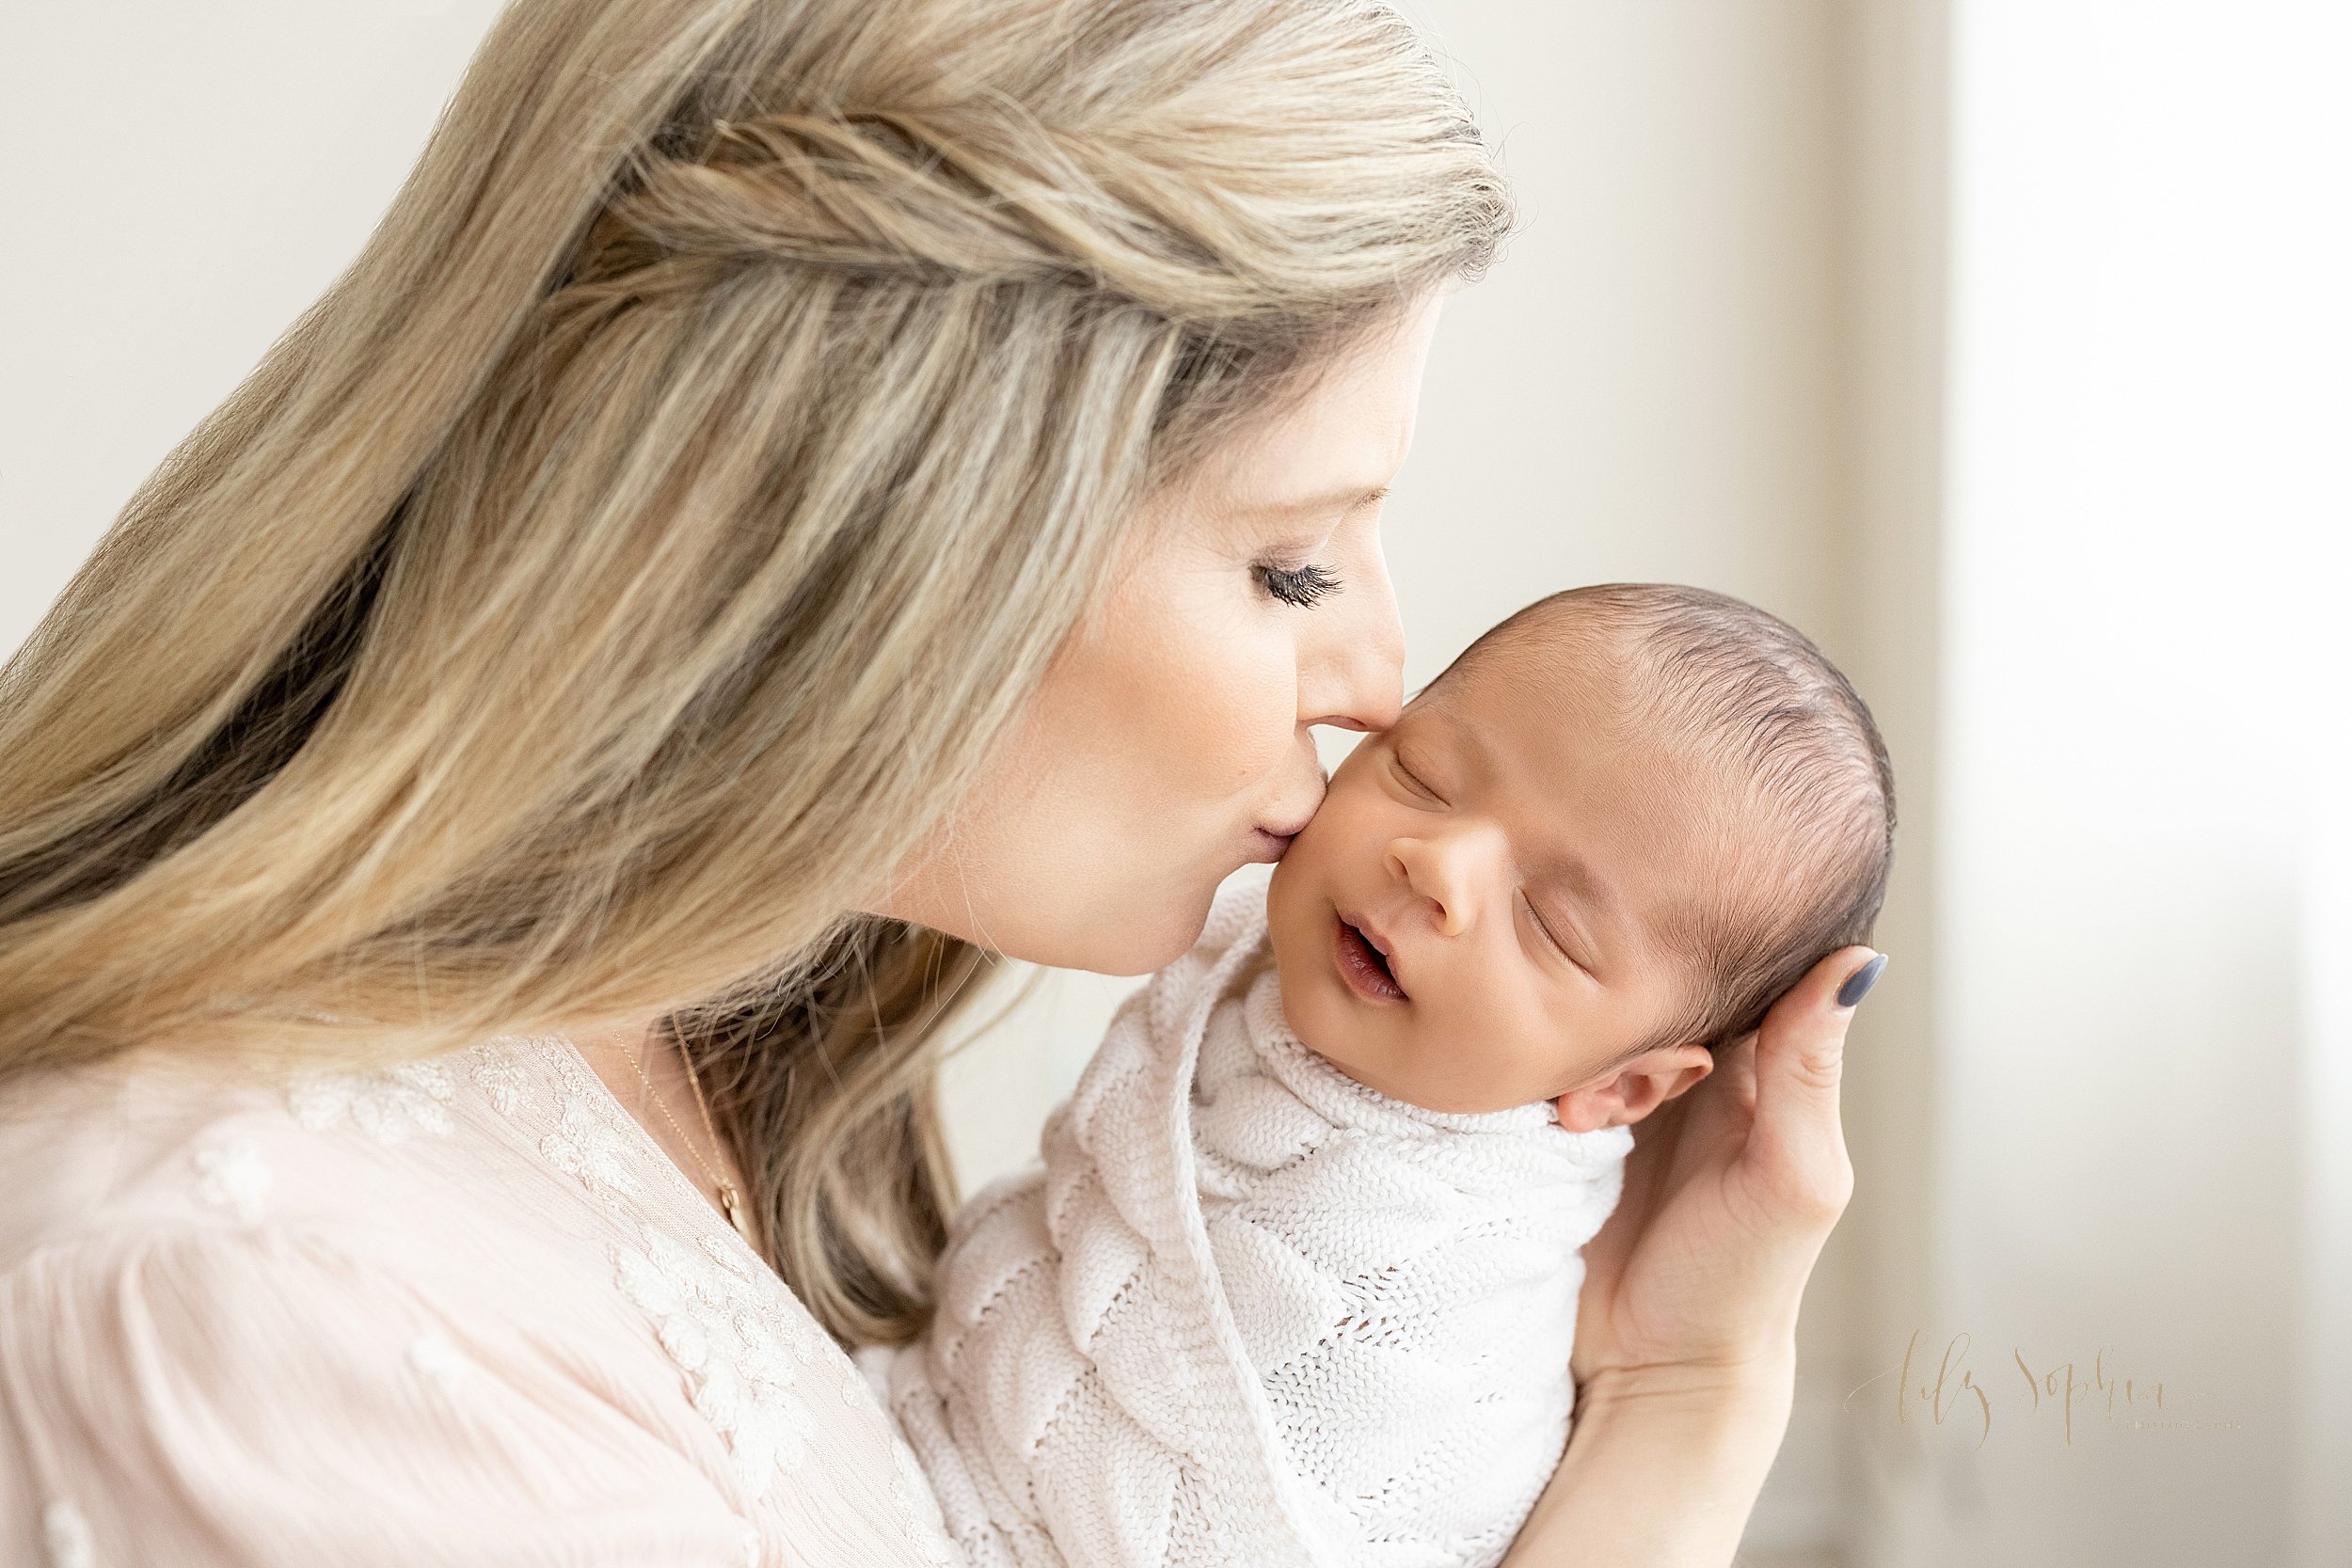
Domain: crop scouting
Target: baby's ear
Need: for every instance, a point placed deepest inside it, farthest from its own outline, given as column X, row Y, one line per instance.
column 1635, row 1088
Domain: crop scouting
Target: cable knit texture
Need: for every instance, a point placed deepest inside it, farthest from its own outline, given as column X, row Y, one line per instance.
column 1249, row 1311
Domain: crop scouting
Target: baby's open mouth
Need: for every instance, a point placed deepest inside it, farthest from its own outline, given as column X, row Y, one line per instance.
column 1364, row 967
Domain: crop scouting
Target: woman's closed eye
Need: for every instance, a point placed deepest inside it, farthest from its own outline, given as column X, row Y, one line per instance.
column 1301, row 586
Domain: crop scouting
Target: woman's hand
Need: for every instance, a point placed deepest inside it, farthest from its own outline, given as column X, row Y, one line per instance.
column 1729, row 1193
column 1687, row 1326
column 1686, row 1332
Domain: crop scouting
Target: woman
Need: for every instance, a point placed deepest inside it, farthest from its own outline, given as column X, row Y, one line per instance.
column 797, row 495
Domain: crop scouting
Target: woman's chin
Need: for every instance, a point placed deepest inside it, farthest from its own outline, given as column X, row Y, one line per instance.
column 1145, row 935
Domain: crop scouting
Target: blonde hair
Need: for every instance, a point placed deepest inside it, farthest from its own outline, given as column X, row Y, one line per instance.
column 599, row 588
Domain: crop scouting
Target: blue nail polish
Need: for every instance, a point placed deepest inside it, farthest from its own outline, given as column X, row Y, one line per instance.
column 1858, row 984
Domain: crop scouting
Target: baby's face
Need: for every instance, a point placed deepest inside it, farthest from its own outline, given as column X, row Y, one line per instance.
column 1473, row 920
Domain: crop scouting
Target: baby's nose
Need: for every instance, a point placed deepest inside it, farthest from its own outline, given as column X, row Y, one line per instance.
column 1437, row 875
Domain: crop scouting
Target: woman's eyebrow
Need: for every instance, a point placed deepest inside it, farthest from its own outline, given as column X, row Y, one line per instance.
column 1346, row 499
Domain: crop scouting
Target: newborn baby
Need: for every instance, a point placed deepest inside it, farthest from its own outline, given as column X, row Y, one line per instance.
column 1297, row 1281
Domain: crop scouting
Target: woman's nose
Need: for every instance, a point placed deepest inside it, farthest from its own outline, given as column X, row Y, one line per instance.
column 1353, row 676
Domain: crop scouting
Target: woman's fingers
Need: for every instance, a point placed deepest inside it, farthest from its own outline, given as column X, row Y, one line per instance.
column 1729, row 1193
column 1800, row 1058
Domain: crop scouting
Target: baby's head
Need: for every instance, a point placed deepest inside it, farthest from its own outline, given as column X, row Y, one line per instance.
column 1597, row 847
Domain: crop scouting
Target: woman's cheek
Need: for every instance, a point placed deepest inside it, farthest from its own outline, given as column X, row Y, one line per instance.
column 1205, row 675
column 1248, row 712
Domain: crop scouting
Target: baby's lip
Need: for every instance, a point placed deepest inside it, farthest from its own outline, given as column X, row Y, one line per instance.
column 1379, row 943
column 1372, row 934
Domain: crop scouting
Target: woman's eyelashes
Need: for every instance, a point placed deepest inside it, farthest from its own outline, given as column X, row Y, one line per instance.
column 1301, row 586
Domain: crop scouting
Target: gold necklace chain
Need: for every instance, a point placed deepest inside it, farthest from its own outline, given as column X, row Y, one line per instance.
column 730, row 1200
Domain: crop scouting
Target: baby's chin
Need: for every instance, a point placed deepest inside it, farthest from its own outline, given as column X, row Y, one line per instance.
column 1388, row 1054
column 1442, row 1090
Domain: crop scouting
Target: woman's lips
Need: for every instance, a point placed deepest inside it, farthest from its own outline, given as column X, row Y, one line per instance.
column 1363, row 966
column 1269, row 844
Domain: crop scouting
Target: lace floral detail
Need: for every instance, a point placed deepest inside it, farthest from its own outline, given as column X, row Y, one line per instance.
column 738, row 1345
column 586, row 1142
column 500, row 1077
column 234, row 1176
column 390, row 1106
column 66, row 1535
column 588, row 1146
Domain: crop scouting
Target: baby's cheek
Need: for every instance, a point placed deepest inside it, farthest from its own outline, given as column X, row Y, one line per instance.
column 1308, row 865
column 1526, row 1052
column 1353, row 826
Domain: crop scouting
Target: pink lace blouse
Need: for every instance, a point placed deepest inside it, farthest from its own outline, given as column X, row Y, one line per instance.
column 462, row 1312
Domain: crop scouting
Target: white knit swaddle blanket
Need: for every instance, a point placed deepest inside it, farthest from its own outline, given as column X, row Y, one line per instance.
column 1251, row 1312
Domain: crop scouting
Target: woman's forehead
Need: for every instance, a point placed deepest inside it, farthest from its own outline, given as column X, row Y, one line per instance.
column 1343, row 434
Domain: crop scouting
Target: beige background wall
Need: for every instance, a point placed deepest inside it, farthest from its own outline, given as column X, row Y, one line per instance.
column 2141, row 725
column 1947, row 330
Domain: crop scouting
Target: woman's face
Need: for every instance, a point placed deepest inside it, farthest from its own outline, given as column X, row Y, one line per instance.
column 1168, row 745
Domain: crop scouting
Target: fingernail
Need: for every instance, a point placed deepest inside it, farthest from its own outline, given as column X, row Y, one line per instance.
column 1858, row 984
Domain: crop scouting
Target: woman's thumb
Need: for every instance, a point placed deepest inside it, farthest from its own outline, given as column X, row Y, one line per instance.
column 1800, row 1055
column 1801, row 1047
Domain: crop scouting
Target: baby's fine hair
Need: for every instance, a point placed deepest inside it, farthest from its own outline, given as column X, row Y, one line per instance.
column 1746, row 694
